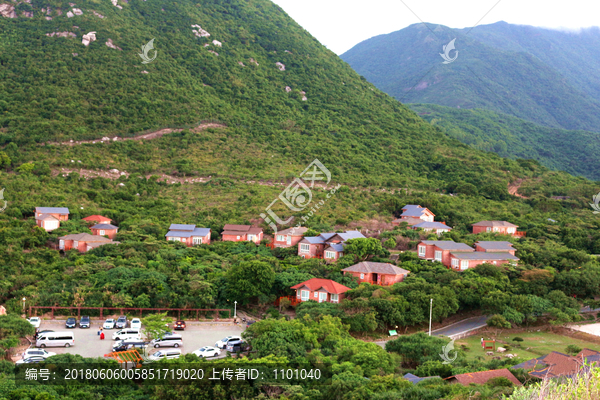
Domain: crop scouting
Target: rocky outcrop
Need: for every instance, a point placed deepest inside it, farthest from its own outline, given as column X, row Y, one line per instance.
column 77, row 11
column 7, row 11
column 97, row 14
column 253, row 61
column 145, row 72
column 116, row 4
column 214, row 52
column 241, row 63
column 70, row 14
column 110, row 44
column 88, row 38
column 28, row 14
column 288, row 89
column 199, row 32
column 216, row 43
column 61, row 34
column 280, row 66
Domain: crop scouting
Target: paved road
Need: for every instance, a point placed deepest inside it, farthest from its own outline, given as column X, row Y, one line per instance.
column 461, row 326
column 88, row 343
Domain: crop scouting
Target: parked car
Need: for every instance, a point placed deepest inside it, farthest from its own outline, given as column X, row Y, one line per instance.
column 33, row 352
column 221, row 344
column 165, row 354
column 127, row 334
column 56, row 339
column 123, row 345
column 234, row 346
column 136, row 323
column 30, row 360
column 35, row 321
column 172, row 340
column 71, row 323
column 109, row 324
column 179, row 325
column 207, row 351
column 121, row 322
column 44, row 331
column 84, row 322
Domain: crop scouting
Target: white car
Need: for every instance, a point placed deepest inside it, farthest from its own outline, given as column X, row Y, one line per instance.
column 33, row 352
column 127, row 334
column 165, row 354
column 221, row 344
column 35, row 321
column 109, row 324
column 136, row 323
column 207, row 351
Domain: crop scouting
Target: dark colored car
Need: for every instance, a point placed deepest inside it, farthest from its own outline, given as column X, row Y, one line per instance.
column 179, row 325
column 125, row 345
column 71, row 323
column 84, row 322
column 121, row 322
column 234, row 346
column 45, row 330
column 31, row 360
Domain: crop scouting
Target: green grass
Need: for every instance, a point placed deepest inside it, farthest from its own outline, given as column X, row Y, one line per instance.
column 534, row 344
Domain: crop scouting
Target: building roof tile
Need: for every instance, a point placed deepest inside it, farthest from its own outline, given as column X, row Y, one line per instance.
column 376, row 267
column 328, row 285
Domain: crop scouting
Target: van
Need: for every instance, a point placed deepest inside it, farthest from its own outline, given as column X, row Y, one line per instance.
column 127, row 334
column 55, row 339
column 165, row 355
column 168, row 341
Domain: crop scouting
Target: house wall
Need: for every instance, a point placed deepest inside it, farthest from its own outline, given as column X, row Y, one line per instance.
column 60, row 217
column 111, row 233
column 336, row 255
column 429, row 252
column 503, row 230
column 474, row 263
column 279, row 243
column 314, row 250
column 312, row 296
column 234, row 238
column 383, row 279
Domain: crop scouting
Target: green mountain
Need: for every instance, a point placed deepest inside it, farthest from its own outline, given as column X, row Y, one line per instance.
column 575, row 152
column 508, row 79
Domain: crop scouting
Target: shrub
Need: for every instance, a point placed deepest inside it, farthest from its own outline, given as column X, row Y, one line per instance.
column 517, row 339
column 572, row 349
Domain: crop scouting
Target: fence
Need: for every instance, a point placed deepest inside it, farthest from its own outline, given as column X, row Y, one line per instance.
column 187, row 311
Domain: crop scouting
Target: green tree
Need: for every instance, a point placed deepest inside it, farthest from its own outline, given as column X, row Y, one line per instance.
column 155, row 325
column 417, row 348
column 363, row 248
column 250, row 281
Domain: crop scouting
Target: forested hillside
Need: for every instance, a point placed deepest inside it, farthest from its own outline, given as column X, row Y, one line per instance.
column 572, row 151
column 489, row 74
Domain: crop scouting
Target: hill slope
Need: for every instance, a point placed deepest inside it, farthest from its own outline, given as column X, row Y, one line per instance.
column 407, row 65
column 572, row 151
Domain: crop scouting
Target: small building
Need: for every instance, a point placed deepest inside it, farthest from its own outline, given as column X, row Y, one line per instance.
column 439, row 250
column 105, row 229
column 416, row 211
column 242, row 233
column 190, row 235
column 556, row 364
column 495, row 247
column 83, row 242
column 436, row 227
column 376, row 273
column 415, row 379
column 289, row 237
column 501, row 227
column 97, row 219
column 463, row 261
column 321, row 290
column 333, row 252
column 49, row 218
column 314, row 246
column 480, row 378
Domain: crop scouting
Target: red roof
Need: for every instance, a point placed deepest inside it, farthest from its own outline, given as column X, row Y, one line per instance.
column 327, row 284
column 98, row 218
column 483, row 376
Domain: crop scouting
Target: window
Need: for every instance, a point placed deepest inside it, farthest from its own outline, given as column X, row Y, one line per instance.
column 305, row 248
column 322, row 297
column 362, row 276
column 510, row 230
column 464, row 264
column 438, row 255
column 75, row 244
column 455, row 263
column 61, row 244
column 494, row 262
column 330, row 254
column 495, row 229
column 101, row 232
column 335, row 298
column 251, row 238
column 197, row 239
column 422, row 251
column 488, row 229
column 316, row 294
column 289, row 239
column 183, row 240
column 280, row 238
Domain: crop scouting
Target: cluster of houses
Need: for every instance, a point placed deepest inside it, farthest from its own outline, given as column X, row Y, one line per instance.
column 460, row 257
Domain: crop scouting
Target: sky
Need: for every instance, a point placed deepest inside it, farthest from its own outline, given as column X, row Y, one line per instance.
column 341, row 24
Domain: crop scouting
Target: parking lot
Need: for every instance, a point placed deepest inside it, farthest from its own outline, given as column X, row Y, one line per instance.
column 88, row 343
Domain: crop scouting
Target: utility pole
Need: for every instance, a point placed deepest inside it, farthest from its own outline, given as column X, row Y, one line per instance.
column 234, row 309
column 430, row 314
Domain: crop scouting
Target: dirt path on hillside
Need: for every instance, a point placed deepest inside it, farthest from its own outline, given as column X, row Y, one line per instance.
column 146, row 136
column 514, row 187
